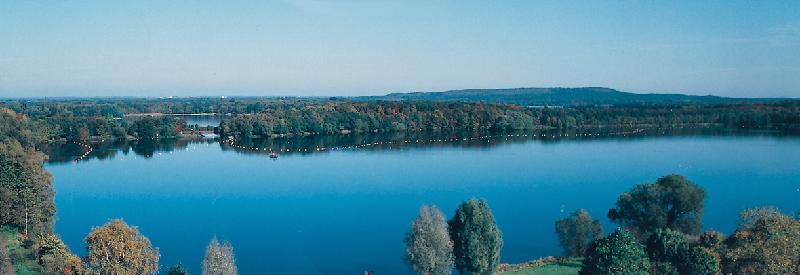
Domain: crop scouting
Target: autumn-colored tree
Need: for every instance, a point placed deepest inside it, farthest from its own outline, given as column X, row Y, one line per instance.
column 55, row 258
column 577, row 232
column 766, row 242
column 219, row 259
column 116, row 248
column 429, row 250
column 26, row 190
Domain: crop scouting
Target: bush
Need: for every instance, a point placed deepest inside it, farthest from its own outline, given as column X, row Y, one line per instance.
column 5, row 262
column 476, row 239
column 577, row 232
column 429, row 249
column 666, row 245
column 55, row 258
column 177, row 270
column 711, row 240
column 619, row 253
column 663, row 268
column 698, row 261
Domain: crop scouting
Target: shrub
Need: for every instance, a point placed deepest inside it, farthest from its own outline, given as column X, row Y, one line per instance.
column 177, row 270
column 711, row 240
column 619, row 253
column 5, row 262
column 698, row 261
column 666, row 245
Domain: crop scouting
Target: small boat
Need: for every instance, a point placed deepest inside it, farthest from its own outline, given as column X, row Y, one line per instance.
column 273, row 155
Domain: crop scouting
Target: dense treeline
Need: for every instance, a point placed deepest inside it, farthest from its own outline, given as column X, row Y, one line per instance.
column 264, row 117
column 38, row 130
column 384, row 116
column 335, row 117
column 117, row 107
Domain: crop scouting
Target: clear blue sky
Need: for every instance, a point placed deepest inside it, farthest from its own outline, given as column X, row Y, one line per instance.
column 159, row 48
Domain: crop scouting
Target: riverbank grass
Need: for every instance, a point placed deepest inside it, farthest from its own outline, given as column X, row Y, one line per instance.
column 549, row 266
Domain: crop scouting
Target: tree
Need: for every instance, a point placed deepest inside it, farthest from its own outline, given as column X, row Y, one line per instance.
column 26, row 190
column 672, row 202
column 698, row 261
column 219, row 259
column 476, row 239
column 618, row 253
column 116, row 248
column 55, row 258
column 177, row 270
column 429, row 249
column 766, row 242
column 577, row 232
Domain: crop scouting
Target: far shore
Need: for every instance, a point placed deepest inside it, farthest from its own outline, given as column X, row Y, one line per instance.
column 163, row 114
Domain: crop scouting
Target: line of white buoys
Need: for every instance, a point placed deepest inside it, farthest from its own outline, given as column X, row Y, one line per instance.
column 86, row 153
column 232, row 143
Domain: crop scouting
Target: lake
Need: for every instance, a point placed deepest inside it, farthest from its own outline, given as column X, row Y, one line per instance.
column 342, row 205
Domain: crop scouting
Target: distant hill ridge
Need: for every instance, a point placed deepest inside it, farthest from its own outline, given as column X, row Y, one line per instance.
column 561, row 97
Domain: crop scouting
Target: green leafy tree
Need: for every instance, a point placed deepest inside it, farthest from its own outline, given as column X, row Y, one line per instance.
column 476, row 239
column 577, row 232
column 766, row 242
column 429, row 249
column 672, row 202
column 219, row 259
column 618, row 253
column 116, row 248
column 177, row 270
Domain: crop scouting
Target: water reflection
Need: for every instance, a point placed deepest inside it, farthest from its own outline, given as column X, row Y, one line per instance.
column 73, row 151
column 70, row 152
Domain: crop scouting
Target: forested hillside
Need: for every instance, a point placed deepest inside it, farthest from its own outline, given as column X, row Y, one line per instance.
column 559, row 97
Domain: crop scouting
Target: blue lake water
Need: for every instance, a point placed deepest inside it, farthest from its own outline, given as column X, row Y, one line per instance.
column 346, row 211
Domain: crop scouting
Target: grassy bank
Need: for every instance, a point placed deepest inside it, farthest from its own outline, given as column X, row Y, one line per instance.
column 549, row 265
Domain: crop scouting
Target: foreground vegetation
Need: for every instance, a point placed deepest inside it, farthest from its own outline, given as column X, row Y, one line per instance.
column 659, row 234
